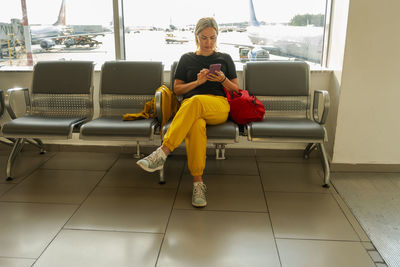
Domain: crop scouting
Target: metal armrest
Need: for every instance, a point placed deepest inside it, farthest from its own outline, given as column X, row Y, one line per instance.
column 1, row 102
column 326, row 101
column 7, row 100
column 158, row 101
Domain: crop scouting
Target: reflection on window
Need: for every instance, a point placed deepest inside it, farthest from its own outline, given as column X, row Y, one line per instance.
column 59, row 30
column 249, row 29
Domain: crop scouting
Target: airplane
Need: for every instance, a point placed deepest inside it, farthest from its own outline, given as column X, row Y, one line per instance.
column 59, row 28
column 301, row 42
column 59, row 33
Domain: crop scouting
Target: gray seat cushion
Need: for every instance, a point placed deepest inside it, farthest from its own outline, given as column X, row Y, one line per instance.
column 224, row 131
column 33, row 126
column 117, row 128
column 282, row 127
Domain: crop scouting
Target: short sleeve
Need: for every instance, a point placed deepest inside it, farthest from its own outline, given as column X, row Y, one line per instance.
column 231, row 68
column 180, row 71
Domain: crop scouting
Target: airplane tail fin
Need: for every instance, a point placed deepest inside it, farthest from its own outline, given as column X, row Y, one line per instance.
column 61, row 15
column 253, row 20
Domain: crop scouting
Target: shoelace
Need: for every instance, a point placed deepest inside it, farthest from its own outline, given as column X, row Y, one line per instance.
column 154, row 157
column 199, row 190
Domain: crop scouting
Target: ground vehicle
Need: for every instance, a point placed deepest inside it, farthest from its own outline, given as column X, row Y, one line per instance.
column 82, row 40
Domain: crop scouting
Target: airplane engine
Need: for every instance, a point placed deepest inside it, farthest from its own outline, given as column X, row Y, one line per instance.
column 258, row 54
column 46, row 44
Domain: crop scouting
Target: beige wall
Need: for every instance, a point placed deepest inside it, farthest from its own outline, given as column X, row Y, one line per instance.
column 337, row 42
column 368, row 122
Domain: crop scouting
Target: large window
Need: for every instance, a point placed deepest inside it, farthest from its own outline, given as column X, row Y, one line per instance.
column 249, row 29
column 162, row 30
column 59, row 30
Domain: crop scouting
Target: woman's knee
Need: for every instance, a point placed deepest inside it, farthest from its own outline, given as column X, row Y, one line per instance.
column 199, row 124
column 198, row 127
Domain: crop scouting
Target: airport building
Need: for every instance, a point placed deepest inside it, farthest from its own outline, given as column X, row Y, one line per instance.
column 85, row 202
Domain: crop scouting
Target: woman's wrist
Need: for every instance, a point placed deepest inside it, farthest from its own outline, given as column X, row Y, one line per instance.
column 223, row 80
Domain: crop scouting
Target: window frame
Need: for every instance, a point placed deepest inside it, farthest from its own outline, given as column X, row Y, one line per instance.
column 119, row 32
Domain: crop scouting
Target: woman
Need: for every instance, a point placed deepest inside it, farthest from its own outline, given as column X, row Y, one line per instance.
column 204, row 102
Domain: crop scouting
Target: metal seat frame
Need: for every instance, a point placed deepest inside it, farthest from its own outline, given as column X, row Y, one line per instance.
column 290, row 105
column 50, row 100
column 120, row 83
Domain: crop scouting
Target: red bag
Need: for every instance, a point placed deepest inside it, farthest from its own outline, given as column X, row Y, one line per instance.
column 245, row 108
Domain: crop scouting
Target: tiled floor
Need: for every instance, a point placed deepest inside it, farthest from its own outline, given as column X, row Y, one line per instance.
column 100, row 209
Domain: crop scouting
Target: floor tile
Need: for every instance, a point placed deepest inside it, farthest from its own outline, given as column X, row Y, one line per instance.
column 14, row 262
column 225, row 192
column 231, row 165
column 375, row 256
column 350, row 217
column 28, row 228
column 209, row 238
column 99, row 248
column 313, row 253
column 55, row 186
column 291, row 177
column 5, row 187
column 293, row 156
column 25, row 164
column 308, row 216
column 368, row 245
column 125, row 209
column 81, row 161
column 126, row 173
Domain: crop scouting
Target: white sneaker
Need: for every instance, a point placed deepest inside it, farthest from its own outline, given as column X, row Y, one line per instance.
column 153, row 162
column 199, row 195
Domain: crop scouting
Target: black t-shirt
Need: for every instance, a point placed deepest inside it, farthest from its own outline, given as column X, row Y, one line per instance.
column 191, row 64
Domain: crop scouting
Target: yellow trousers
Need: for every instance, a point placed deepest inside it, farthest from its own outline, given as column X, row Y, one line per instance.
column 189, row 124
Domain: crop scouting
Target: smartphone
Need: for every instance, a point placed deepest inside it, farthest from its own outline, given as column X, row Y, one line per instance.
column 215, row 67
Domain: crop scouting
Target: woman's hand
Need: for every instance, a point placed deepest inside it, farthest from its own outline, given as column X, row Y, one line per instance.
column 202, row 76
column 180, row 87
column 219, row 76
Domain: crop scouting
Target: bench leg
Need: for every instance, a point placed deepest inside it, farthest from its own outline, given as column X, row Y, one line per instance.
column 325, row 164
column 220, row 151
column 14, row 153
column 137, row 155
column 162, row 178
column 37, row 143
column 7, row 142
column 307, row 151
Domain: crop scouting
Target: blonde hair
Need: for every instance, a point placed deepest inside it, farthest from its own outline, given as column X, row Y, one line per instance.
column 202, row 24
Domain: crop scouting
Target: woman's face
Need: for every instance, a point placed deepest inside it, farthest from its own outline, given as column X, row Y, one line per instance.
column 207, row 40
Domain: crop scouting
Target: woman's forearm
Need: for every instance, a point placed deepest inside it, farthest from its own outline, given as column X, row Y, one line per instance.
column 231, row 85
column 183, row 88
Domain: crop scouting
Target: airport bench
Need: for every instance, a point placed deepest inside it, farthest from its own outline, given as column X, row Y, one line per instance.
column 125, row 87
column 283, row 88
column 60, row 100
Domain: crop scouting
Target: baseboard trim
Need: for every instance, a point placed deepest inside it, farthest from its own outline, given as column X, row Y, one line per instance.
column 344, row 167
